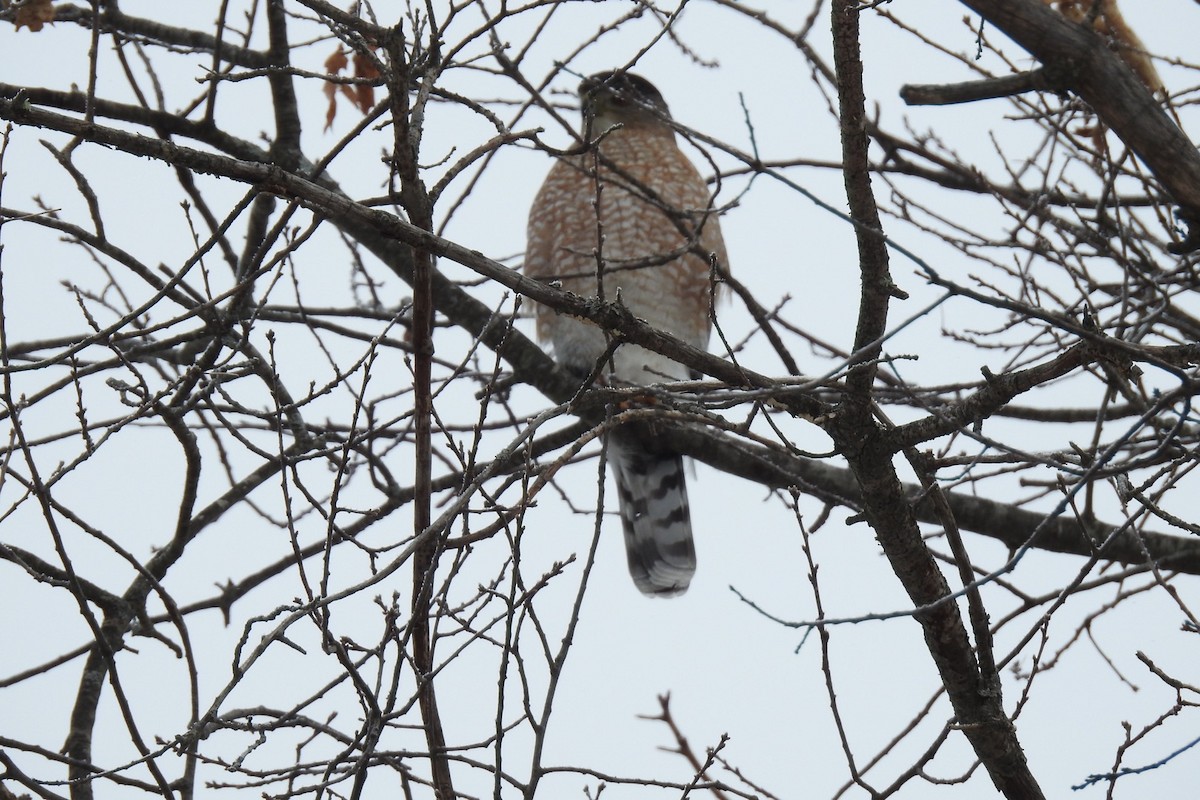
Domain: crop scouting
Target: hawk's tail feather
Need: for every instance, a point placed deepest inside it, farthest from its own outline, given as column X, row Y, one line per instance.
column 652, row 497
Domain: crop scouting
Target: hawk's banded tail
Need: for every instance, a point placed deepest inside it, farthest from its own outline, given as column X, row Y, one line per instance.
column 652, row 498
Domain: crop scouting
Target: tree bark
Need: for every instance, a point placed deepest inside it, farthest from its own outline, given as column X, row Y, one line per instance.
column 1077, row 59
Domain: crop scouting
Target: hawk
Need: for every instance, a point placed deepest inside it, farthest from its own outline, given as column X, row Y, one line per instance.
column 631, row 219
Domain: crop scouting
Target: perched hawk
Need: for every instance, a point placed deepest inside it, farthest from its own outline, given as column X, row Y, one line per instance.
column 634, row 215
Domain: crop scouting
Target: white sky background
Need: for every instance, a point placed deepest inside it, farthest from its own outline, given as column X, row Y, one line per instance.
column 728, row 669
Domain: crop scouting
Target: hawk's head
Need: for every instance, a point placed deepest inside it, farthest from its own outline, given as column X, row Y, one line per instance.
column 611, row 98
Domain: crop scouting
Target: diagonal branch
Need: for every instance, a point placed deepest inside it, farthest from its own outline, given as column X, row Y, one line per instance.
column 1076, row 58
column 387, row 237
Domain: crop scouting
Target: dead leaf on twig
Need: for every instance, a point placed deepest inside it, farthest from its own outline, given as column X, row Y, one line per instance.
column 361, row 95
column 34, row 15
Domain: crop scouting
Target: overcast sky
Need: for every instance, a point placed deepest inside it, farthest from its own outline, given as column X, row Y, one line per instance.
column 728, row 669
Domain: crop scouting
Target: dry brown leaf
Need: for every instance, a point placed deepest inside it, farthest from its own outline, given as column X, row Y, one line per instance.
column 336, row 62
column 361, row 95
column 334, row 65
column 34, row 15
column 364, row 67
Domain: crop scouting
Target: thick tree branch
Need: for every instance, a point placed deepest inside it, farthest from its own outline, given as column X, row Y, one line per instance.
column 944, row 94
column 974, row 694
column 371, row 224
column 1075, row 57
column 111, row 20
column 414, row 197
column 1016, row 527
